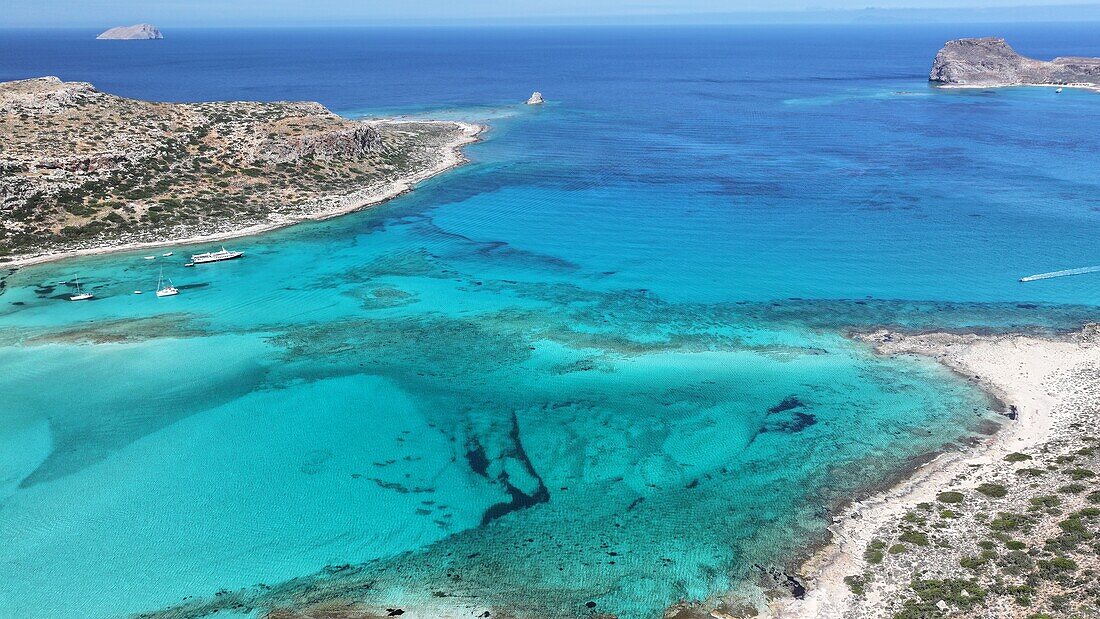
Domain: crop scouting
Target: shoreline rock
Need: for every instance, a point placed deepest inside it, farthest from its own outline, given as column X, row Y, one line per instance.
column 535, row 98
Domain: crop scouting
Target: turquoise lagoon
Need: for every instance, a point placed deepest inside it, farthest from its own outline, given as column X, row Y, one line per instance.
column 603, row 363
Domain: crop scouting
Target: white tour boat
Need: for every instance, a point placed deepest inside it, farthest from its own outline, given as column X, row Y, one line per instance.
column 215, row 256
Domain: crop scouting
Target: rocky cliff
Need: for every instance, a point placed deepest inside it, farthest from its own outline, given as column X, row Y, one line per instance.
column 992, row 62
column 137, row 32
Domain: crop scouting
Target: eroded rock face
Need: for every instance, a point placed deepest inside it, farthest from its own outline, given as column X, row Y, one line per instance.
column 992, row 62
column 353, row 142
column 44, row 95
column 137, row 32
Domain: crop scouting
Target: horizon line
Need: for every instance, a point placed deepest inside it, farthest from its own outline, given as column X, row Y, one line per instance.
column 871, row 15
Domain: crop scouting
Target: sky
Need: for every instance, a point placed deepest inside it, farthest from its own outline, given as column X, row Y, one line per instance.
column 190, row 13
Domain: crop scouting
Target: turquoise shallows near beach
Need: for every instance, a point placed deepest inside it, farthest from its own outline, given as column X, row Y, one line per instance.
column 604, row 363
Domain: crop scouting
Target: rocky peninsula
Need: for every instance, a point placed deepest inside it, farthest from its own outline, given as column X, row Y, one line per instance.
column 991, row 62
column 1007, row 528
column 137, row 32
column 83, row 171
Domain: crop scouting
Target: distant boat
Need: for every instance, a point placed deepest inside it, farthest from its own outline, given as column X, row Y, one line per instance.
column 150, row 257
column 137, row 292
column 165, row 291
column 215, row 256
column 80, row 294
column 166, row 254
column 1057, row 90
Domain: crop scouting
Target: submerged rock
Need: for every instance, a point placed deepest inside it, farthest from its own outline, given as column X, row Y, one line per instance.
column 535, row 99
column 992, row 62
column 137, row 32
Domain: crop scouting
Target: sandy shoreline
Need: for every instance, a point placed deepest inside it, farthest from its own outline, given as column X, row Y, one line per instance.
column 1015, row 369
column 452, row 157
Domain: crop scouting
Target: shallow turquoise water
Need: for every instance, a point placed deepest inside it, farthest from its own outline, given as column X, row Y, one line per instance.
column 604, row 362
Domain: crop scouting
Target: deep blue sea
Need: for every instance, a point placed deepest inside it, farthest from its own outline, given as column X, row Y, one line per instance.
column 599, row 369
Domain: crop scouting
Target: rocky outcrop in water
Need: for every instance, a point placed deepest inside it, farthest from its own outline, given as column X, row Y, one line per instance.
column 137, row 32
column 992, row 62
column 535, row 99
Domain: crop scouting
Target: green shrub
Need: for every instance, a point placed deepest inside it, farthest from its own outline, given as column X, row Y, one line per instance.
column 915, row 538
column 1059, row 569
column 897, row 549
column 1008, row 521
column 975, row 562
column 1073, row 488
column 1016, row 457
column 1045, row 501
column 950, row 497
column 995, row 491
column 857, row 584
column 1015, row 562
column 1078, row 474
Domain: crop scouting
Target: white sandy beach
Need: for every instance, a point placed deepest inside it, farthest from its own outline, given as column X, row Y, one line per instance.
column 1019, row 370
column 451, row 157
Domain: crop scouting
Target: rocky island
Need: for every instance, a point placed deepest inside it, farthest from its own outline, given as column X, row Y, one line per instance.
column 83, row 171
column 991, row 62
column 137, row 32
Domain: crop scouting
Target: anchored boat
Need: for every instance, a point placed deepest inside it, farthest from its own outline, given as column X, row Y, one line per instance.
column 80, row 294
column 215, row 256
column 165, row 291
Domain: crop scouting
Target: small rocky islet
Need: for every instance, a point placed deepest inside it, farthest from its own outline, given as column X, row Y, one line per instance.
column 137, row 32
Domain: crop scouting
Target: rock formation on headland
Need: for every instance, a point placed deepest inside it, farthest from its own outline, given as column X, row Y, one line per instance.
column 536, row 98
column 992, row 62
column 137, row 32
column 81, row 169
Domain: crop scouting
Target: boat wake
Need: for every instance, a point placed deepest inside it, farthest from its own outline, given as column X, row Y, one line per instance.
column 1065, row 273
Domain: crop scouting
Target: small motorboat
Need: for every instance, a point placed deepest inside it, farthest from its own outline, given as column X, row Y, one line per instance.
column 150, row 257
column 1057, row 90
column 166, row 254
column 137, row 292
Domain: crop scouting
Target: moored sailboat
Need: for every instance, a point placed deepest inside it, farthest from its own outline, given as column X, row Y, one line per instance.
column 80, row 294
column 165, row 291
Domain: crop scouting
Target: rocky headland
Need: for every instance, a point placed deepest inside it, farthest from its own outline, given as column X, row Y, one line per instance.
column 1007, row 528
column 990, row 62
column 137, row 32
column 83, row 171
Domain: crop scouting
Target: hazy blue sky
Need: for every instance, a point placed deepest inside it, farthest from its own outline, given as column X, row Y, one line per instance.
column 167, row 13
